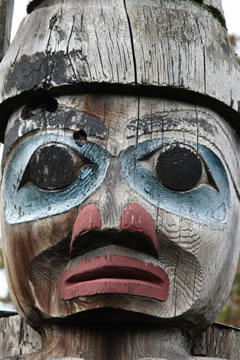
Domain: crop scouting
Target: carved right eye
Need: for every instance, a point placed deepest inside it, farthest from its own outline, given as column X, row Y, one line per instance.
column 53, row 167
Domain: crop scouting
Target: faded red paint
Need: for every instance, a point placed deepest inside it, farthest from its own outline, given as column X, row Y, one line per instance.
column 88, row 218
column 116, row 275
column 136, row 218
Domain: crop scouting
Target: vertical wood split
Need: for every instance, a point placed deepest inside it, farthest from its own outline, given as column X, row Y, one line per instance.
column 132, row 41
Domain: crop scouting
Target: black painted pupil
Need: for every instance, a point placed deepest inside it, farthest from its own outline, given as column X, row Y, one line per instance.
column 51, row 168
column 179, row 169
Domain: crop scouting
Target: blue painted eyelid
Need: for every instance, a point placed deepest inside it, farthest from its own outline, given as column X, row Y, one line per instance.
column 203, row 205
column 30, row 203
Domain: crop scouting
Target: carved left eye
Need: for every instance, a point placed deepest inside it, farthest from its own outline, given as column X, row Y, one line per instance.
column 179, row 168
column 53, row 167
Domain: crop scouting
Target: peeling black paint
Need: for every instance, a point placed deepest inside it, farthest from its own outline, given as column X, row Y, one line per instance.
column 43, row 70
column 62, row 118
column 174, row 93
column 165, row 122
column 31, row 6
column 52, row 22
column 39, row 100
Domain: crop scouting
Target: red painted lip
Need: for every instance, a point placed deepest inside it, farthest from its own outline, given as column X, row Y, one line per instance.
column 114, row 274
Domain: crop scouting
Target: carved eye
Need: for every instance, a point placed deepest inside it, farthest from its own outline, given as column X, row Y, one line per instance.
column 179, row 168
column 53, row 167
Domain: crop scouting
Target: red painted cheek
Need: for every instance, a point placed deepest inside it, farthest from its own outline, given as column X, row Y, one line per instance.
column 88, row 218
column 136, row 218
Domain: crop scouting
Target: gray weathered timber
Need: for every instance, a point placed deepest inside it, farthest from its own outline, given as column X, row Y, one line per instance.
column 16, row 337
column 33, row 4
column 109, row 254
column 219, row 342
column 188, row 230
column 123, row 43
column 215, row 3
column 6, row 12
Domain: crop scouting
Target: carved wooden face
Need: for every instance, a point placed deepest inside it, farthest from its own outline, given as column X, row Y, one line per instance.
column 141, row 214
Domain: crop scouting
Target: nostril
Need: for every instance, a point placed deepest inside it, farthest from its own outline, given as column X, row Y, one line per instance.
column 89, row 218
column 136, row 218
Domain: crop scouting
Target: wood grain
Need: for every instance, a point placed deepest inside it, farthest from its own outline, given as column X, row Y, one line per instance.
column 135, row 77
column 123, row 44
column 185, row 246
column 219, row 342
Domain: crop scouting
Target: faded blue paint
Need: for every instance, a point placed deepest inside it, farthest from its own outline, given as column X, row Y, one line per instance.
column 203, row 204
column 31, row 203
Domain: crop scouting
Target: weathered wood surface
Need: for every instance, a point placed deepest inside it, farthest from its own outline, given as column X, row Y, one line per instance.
column 219, row 342
column 6, row 13
column 123, row 43
column 192, row 229
column 191, row 238
column 217, row 4
column 17, row 338
column 140, row 79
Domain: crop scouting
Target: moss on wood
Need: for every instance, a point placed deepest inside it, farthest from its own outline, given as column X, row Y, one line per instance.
column 214, row 11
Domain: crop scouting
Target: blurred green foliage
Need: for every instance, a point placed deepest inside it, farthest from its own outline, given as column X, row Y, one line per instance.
column 234, row 39
column 230, row 314
column 1, row 259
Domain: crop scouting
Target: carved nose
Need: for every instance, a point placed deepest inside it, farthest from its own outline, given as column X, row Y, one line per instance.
column 134, row 218
column 89, row 218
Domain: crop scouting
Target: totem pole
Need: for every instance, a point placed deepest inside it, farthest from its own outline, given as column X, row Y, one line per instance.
column 120, row 191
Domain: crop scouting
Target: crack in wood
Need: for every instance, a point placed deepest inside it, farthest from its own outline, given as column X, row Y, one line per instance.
column 132, row 41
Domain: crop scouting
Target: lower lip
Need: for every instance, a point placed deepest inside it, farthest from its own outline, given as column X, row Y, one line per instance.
column 114, row 274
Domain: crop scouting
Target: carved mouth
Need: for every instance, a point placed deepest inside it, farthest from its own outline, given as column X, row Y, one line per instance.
column 95, row 239
column 115, row 274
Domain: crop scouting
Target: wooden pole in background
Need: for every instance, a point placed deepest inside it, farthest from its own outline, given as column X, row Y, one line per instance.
column 6, row 15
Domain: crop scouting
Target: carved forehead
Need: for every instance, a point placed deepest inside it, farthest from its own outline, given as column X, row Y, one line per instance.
column 96, row 113
column 122, row 119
